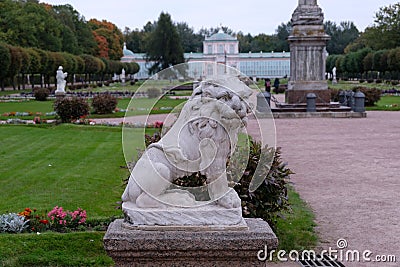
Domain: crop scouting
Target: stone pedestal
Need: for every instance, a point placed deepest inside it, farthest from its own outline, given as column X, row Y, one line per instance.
column 307, row 54
column 210, row 216
column 59, row 95
column 129, row 247
column 300, row 96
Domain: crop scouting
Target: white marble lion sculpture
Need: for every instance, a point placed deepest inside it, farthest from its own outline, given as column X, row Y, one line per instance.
column 202, row 138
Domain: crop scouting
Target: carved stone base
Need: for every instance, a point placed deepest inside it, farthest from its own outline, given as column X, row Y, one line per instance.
column 300, row 96
column 210, row 215
column 189, row 248
column 59, row 94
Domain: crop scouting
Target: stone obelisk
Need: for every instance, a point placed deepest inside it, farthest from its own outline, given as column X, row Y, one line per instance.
column 307, row 54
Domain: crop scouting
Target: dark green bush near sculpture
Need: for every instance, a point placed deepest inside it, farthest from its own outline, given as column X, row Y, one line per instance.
column 104, row 104
column 271, row 197
column 41, row 94
column 71, row 109
column 372, row 95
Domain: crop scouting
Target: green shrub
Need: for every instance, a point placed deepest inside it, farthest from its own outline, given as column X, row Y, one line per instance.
column 104, row 104
column 378, row 81
column 334, row 95
column 71, row 109
column 41, row 94
column 361, row 81
column 270, row 198
column 372, row 95
column 153, row 92
column 394, row 82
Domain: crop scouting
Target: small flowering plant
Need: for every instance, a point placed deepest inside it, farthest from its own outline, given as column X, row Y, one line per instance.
column 61, row 219
column 37, row 222
column 57, row 219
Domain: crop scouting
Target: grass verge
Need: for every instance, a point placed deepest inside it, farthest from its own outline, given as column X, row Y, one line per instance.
column 296, row 230
column 53, row 249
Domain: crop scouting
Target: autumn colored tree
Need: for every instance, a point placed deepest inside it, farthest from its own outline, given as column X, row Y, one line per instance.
column 102, row 45
column 112, row 35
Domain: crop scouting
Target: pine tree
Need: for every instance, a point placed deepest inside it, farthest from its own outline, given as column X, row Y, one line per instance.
column 164, row 45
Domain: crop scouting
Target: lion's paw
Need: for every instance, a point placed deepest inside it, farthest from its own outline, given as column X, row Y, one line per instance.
column 230, row 200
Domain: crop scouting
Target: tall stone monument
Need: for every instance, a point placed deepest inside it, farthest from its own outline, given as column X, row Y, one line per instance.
column 307, row 54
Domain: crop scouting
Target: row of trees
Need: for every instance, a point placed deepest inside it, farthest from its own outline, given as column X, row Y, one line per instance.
column 58, row 28
column 376, row 52
column 17, row 62
column 138, row 40
column 366, row 63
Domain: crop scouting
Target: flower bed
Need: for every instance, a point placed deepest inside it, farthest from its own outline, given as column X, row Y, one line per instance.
column 29, row 220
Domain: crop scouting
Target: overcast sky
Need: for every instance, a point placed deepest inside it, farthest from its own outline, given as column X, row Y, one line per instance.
column 251, row 16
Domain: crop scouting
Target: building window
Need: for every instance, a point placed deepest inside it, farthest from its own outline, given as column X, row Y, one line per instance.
column 231, row 49
column 220, row 49
column 209, row 49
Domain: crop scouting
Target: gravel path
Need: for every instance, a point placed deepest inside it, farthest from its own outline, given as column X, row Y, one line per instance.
column 348, row 171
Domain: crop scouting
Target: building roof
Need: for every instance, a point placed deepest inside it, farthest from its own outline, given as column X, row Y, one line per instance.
column 127, row 52
column 220, row 36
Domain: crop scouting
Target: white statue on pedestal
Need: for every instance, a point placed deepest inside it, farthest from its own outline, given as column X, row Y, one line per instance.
column 334, row 75
column 122, row 76
column 61, row 83
column 201, row 140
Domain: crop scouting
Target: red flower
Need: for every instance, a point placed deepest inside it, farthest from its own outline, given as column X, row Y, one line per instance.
column 44, row 221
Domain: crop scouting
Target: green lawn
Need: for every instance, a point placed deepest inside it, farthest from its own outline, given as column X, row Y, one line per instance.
column 387, row 103
column 348, row 85
column 53, row 249
column 295, row 232
column 140, row 106
column 79, row 166
column 68, row 165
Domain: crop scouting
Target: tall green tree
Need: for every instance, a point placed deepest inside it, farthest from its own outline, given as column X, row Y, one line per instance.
column 244, row 42
column 5, row 61
column 341, row 36
column 135, row 40
column 282, row 33
column 384, row 34
column 164, row 46
column 191, row 42
column 387, row 27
